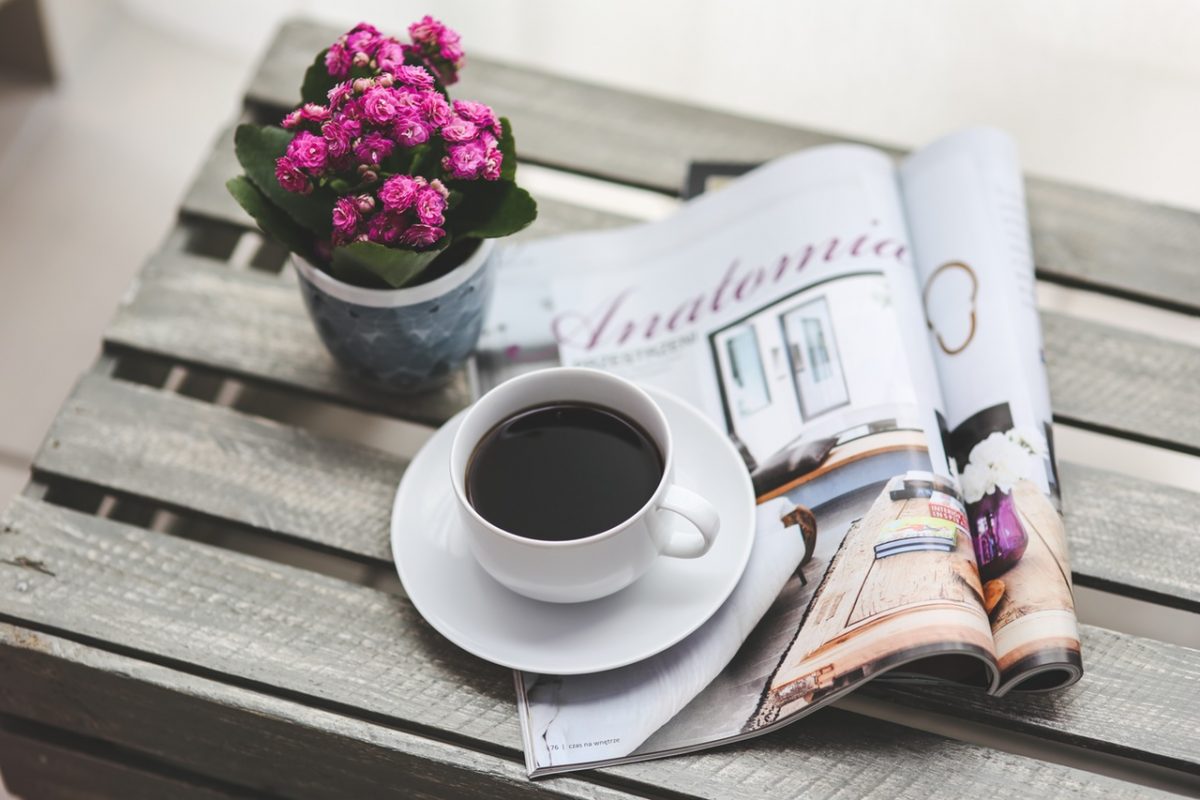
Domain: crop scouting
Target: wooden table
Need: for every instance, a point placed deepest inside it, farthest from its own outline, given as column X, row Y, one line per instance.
column 197, row 597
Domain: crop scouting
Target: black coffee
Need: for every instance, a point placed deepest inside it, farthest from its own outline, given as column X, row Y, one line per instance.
column 563, row 471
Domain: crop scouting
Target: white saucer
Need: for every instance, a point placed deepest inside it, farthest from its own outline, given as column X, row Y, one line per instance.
column 670, row 601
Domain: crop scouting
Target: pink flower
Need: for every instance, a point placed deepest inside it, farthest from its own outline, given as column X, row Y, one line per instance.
column 339, row 94
column 386, row 227
column 290, row 177
column 365, row 203
column 314, row 112
column 493, row 159
column 345, row 219
column 459, row 130
column 337, row 61
column 438, row 46
column 410, row 131
column 390, row 55
column 379, row 105
column 407, row 101
column 479, row 113
column 399, row 191
column 337, row 138
column 373, row 148
column 430, row 206
column 416, row 77
column 363, row 38
column 464, row 161
column 307, row 151
column 440, row 188
column 351, row 125
column 436, row 38
column 421, row 235
column 291, row 120
column 427, row 30
column 449, row 47
column 435, row 109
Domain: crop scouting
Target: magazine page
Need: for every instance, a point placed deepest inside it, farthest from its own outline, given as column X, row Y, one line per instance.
column 966, row 206
column 786, row 308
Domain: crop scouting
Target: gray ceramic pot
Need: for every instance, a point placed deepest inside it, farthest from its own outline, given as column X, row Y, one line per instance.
column 401, row 340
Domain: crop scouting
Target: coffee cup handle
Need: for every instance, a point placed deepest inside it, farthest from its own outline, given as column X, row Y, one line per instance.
column 696, row 510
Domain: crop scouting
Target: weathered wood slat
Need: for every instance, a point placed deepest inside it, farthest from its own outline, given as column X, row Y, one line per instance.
column 219, row 462
column 1132, row 537
column 38, row 770
column 1157, row 685
column 1116, row 381
column 355, row 651
column 195, row 724
column 1081, row 237
column 207, row 196
column 282, row 629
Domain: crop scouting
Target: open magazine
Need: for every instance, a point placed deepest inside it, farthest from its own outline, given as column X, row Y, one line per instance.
column 866, row 334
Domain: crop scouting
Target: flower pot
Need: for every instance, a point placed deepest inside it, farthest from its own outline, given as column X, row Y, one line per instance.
column 997, row 532
column 401, row 340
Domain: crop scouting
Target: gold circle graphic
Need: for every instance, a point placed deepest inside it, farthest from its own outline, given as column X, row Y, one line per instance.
column 943, row 269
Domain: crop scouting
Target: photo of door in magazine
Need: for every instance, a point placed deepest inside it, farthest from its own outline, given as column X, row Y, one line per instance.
column 866, row 336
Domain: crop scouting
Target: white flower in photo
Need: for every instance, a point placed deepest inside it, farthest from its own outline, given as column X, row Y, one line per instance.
column 974, row 481
column 999, row 461
column 995, row 448
column 1031, row 439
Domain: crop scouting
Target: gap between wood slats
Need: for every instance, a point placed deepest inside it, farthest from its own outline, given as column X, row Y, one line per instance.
column 320, row 701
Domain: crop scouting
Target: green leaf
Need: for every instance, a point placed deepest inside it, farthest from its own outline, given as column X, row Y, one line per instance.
column 257, row 149
column 510, row 209
column 508, row 146
column 317, row 81
column 273, row 221
column 396, row 268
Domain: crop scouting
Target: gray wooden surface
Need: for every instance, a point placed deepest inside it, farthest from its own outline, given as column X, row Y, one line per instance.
column 173, row 667
column 267, row 627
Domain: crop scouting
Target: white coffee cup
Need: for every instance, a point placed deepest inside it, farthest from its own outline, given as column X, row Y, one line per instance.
column 576, row 570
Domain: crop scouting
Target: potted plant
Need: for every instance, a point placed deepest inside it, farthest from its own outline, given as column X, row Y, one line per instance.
column 994, row 467
column 389, row 196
